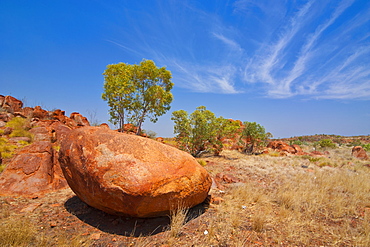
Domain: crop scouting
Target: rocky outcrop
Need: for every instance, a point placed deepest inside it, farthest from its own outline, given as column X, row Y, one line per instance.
column 130, row 175
column 35, row 169
column 359, row 153
column 10, row 104
column 32, row 172
column 282, row 147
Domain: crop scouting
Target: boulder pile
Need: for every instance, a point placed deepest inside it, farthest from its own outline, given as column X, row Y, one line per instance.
column 35, row 168
column 285, row 147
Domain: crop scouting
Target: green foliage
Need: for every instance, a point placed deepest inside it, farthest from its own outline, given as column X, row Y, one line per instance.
column 326, row 143
column 311, row 159
column 20, row 127
column 296, row 142
column 202, row 162
column 253, row 137
column 202, row 131
column 6, row 149
column 135, row 92
column 17, row 123
column 356, row 143
column 366, row 147
column 56, row 147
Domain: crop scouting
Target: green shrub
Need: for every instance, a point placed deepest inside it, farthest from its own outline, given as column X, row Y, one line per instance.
column 56, row 148
column 202, row 162
column 356, row 143
column 311, row 159
column 21, row 133
column 326, row 143
column 17, row 123
column 6, row 149
column 366, row 146
column 297, row 142
column 20, row 127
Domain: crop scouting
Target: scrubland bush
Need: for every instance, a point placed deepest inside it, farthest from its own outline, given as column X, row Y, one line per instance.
column 202, row 131
column 325, row 143
column 366, row 147
column 6, row 149
column 20, row 127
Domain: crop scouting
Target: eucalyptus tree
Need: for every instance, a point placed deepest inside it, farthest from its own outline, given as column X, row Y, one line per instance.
column 136, row 92
column 253, row 137
column 201, row 131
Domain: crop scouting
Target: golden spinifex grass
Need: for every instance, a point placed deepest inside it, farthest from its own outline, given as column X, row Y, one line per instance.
column 287, row 204
column 21, row 231
column 279, row 201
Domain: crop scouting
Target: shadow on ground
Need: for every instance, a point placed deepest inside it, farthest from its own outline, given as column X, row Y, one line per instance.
column 125, row 226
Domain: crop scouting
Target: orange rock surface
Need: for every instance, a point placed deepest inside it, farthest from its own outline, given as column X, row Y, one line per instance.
column 130, row 175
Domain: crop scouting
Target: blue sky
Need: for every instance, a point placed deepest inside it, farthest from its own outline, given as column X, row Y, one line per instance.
column 295, row 67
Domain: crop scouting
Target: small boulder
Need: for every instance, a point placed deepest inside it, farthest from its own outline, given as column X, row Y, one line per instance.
column 130, row 175
column 359, row 153
column 40, row 134
column 79, row 119
column 282, row 147
column 40, row 113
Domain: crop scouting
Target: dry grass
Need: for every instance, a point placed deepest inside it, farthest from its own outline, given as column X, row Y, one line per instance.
column 18, row 231
column 177, row 220
column 280, row 201
column 285, row 204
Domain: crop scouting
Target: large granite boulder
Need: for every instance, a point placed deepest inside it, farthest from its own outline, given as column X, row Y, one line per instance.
column 130, row 175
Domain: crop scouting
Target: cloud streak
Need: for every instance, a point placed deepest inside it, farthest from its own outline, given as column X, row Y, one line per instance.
column 308, row 73
column 318, row 49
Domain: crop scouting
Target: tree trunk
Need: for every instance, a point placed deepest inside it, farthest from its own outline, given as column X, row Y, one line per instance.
column 141, row 120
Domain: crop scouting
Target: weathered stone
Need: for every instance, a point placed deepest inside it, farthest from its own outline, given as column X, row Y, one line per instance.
column 104, row 125
column 359, row 153
column 79, row 119
column 5, row 116
column 32, row 172
column 7, row 131
column 20, row 138
column 40, row 134
column 282, row 146
column 39, row 113
column 10, row 104
column 130, row 175
column 226, row 178
column 27, row 112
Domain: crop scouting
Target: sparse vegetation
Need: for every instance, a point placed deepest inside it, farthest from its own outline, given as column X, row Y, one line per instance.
column 279, row 201
column 326, row 143
column 202, row 162
column 6, row 148
column 253, row 137
column 20, row 127
column 202, row 131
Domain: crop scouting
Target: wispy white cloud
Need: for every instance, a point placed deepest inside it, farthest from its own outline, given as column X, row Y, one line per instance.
column 206, row 78
column 229, row 42
column 317, row 49
column 304, row 62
